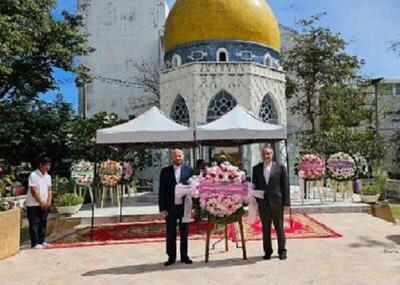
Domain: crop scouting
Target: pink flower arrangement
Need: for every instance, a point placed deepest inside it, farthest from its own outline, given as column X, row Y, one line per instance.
column 127, row 171
column 222, row 190
column 224, row 173
column 221, row 204
column 311, row 167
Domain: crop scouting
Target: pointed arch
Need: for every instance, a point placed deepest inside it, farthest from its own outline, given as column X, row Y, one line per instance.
column 180, row 111
column 268, row 111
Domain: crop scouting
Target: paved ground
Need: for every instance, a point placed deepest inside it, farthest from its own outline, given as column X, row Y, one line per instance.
column 369, row 253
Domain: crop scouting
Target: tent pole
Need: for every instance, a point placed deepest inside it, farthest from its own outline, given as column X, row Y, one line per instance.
column 94, row 197
column 288, row 174
column 121, row 150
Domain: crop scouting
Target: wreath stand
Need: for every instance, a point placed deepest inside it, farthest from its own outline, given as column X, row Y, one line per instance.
column 208, row 237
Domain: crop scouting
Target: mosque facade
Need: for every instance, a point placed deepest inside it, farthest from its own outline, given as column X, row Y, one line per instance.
column 219, row 54
column 212, row 55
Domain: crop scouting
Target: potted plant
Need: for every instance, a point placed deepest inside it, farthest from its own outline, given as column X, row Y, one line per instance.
column 68, row 203
column 370, row 193
column 60, row 186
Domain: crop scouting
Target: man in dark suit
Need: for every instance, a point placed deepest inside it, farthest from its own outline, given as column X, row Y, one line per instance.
column 272, row 178
column 171, row 176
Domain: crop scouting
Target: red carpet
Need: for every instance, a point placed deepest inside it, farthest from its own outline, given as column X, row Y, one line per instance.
column 303, row 226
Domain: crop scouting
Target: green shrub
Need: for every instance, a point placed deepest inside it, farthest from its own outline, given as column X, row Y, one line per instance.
column 371, row 189
column 68, row 199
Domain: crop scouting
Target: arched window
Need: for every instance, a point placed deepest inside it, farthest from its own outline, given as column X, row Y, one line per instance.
column 268, row 111
column 268, row 60
column 176, row 60
column 221, row 104
column 222, row 55
column 180, row 111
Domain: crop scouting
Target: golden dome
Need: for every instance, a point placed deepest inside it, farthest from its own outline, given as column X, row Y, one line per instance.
column 201, row 20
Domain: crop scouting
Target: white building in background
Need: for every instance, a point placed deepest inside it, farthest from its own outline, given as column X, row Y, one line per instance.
column 217, row 54
column 124, row 33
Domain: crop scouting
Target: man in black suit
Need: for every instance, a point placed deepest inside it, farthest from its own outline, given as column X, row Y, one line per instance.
column 171, row 176
column 272, row 178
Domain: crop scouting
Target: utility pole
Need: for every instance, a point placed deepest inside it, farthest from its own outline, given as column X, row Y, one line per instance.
column 375, row 82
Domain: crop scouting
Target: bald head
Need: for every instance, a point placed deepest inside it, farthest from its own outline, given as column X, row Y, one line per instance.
column 177, row 156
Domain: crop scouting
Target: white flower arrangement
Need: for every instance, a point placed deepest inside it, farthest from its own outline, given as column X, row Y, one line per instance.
column 341, row 166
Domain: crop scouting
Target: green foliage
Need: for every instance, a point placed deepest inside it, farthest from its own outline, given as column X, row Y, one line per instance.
column 396, row 149
column 7, row 181
column 371, row 189
column 68, row 199
column 33, row 44
column 316, row 64
column 5, row 205
column 342, row 106
column 31, row 128
column 381, row 177
column 61, row 185
column 350, row 140
column 82, row 137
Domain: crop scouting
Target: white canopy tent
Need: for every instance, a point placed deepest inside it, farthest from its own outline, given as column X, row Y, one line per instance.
column 239, row 125
column 152, row 127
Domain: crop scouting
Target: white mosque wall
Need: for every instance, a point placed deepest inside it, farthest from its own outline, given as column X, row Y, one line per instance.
column 199, row 82
column 123, row 33
column 248, row 83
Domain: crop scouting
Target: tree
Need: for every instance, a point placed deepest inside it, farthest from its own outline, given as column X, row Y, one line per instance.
column 317, row 63
column 33, row 44
column 82, row 142
column 32, row 128
column 344, row 139
column 82, row 137
column 396, row 150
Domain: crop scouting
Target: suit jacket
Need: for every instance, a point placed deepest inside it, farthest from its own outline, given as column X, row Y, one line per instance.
column 166, row 192
column 277, row 191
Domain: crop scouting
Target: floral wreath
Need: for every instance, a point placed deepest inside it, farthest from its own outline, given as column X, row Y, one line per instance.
column 110, row 172
column 310, row 167
column 341, row 166
column 82, row 173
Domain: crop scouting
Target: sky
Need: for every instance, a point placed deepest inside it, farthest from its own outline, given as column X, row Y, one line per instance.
column 368, row 25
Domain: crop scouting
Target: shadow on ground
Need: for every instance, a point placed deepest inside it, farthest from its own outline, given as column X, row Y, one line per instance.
column 368, row 242
column 394, row 238
column 147, row 268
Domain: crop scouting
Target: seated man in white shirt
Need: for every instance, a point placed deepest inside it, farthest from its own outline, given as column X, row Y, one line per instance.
column 38, row 202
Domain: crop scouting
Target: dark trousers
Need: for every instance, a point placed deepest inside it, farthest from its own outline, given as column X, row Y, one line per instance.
column 37, row 224
column 272, row 214
column 175, row 215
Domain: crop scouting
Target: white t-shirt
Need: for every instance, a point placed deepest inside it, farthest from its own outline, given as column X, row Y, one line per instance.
column 42, row 182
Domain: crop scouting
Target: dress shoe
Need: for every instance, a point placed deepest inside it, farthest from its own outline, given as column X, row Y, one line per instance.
column 283, row 255
column 169, row 262
column 267, row 256
column 187, row 261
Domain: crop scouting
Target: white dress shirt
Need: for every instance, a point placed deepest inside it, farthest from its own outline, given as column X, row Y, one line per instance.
column 177, row 170
column 267, row 171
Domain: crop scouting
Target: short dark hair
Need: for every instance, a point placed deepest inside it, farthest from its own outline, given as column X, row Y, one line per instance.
column 44, row 160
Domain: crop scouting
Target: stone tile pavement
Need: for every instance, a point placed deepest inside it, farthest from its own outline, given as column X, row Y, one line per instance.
column 368, row 253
